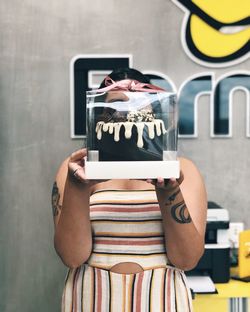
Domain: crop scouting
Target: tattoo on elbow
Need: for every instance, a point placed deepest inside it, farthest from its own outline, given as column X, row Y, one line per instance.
column 180, row 214
column 55, row 200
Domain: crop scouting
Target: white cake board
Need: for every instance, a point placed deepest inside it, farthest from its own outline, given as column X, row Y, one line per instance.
column 132, row 169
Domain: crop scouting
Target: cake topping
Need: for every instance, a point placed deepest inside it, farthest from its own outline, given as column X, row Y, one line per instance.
column 142, row 115
column 154, row 127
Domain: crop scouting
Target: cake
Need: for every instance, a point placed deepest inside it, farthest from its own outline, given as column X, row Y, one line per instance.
column 134, row 135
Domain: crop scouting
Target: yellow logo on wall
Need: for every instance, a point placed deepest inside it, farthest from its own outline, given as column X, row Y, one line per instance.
column 216, row 32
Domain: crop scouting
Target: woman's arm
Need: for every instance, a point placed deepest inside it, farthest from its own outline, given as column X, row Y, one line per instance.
column 70, row 203
column 184, row 210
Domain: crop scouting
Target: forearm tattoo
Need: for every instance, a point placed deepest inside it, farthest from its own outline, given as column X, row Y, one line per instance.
column 55, row 200
column 179, row 211
column 172, row 197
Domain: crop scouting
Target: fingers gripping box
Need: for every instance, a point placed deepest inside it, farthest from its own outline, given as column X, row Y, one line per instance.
column 131, row 135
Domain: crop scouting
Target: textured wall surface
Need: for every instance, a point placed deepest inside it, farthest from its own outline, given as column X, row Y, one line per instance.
column 38, row 40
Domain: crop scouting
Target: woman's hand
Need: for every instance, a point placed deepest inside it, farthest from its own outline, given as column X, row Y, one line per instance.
column 76, row 168
column 166, row 184
column 76, row 165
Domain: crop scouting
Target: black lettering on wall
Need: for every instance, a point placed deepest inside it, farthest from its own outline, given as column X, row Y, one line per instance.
column 187, row 103
column 223, row 99
column 81, row 67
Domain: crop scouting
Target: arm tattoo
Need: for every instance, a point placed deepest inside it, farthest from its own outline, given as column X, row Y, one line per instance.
column 55, row 200
column 172, row 197
column 180, row 213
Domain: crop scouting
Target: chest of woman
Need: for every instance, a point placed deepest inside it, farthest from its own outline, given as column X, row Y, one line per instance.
column 126, row 226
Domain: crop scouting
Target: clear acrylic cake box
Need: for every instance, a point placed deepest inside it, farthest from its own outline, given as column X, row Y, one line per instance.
column 131, row 135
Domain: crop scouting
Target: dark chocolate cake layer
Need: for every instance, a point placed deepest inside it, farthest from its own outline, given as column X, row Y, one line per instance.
column 127, row 149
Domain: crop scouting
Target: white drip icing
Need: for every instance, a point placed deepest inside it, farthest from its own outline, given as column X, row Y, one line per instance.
column 98, row 129
column 128, row 130
column 111, row 129
column 154, row 127
column 151, row 130
column 117, row 131
column 139, row 126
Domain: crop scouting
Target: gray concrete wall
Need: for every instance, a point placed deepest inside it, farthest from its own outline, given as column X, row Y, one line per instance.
column 38, row 40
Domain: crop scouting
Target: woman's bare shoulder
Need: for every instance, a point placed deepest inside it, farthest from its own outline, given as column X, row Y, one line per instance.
column 187, row 164
column 190, row 171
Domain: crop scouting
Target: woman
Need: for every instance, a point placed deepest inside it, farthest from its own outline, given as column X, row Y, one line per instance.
column 127, row 242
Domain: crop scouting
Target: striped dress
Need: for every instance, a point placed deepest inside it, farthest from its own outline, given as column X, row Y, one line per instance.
column 126, row 227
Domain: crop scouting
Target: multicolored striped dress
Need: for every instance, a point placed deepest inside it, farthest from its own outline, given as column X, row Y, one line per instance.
column 126, row 227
